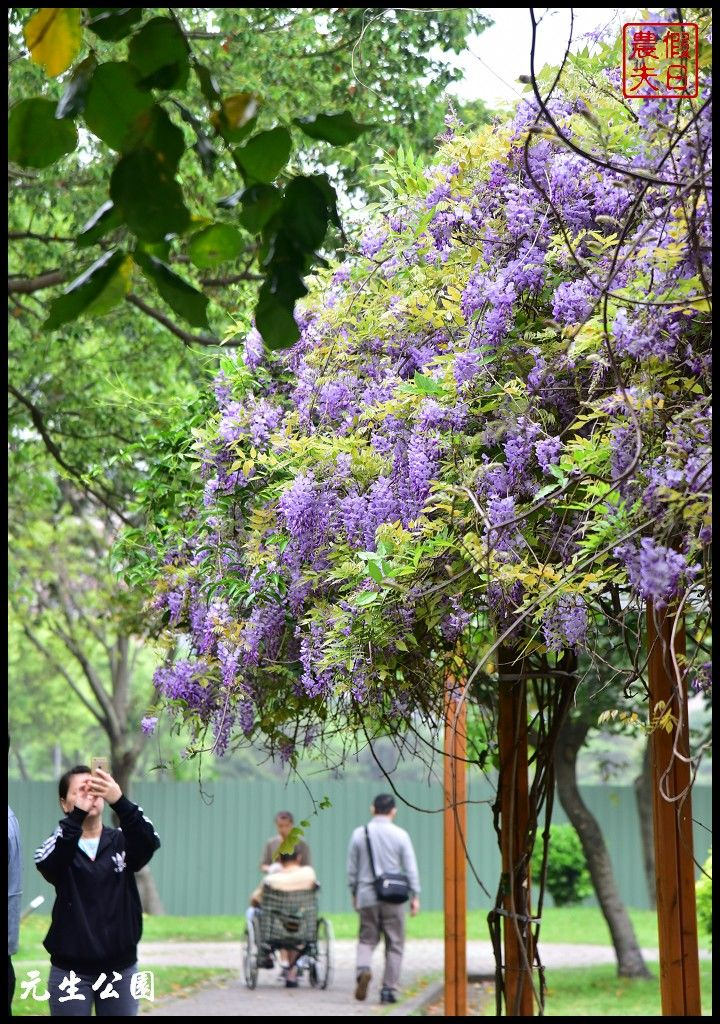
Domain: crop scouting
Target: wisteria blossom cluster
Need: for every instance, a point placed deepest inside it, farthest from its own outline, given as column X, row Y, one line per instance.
column 497, row 417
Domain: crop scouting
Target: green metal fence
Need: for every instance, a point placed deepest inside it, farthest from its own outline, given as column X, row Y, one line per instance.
column 211, row 844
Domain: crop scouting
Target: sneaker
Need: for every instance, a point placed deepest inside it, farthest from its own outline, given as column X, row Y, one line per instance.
column 291, row 984
column 387, row 996
column 363, row 980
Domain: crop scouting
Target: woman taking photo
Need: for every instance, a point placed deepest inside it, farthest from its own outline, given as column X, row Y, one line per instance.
column 97, row 917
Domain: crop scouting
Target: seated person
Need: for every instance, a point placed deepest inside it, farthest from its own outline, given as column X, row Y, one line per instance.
column 284, row 823
column 292, row 877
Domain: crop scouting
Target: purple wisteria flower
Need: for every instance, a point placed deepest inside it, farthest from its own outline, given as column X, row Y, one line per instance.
column 148, row 724
column 565, row 624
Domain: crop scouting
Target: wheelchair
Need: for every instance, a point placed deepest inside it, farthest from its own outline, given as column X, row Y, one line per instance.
column 289, row 920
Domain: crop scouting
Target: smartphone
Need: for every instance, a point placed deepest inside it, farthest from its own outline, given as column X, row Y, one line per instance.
column 102, row 763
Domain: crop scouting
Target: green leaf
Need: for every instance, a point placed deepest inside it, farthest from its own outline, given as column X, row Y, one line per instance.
column 159, row 249
column 156, row 131
column 304, row 213
column 275, row 322
column 113, row 23
column 208, row 85
column 375, row 572
column 264, row 155
column 36, row 138
column 323, row 183
column 72, row 101
column 215, row 244
column 185, row 300
column 160, row 52
column 83, row 291
column 54, row 38
column 366, row 598
column 148, row 197
column 259, row 203
column 236, row 117
column 115, row 105
column 337, row 129
column 427, row 385
column 114, row 291
column 105, row 218
column 284, row 281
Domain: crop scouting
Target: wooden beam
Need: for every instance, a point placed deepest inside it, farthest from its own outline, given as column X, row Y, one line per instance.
column 454, row 833
column 672, row 822
column 514, row 817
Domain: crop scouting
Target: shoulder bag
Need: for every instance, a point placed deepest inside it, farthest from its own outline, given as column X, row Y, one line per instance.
column 390, row 888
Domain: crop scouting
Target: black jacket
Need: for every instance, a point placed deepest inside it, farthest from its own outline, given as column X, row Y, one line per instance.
column 97, row 916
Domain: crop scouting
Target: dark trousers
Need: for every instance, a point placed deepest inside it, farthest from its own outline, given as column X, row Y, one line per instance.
column 78, row 999
column 11, row 985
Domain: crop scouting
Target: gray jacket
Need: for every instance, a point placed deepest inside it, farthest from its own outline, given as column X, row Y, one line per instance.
column 392, row 851
column 14, row 882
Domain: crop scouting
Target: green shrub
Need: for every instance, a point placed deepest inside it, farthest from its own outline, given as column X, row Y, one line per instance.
column 568, row 878
column 703, row 891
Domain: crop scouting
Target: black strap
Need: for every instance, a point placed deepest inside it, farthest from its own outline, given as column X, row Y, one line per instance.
column 369, row 849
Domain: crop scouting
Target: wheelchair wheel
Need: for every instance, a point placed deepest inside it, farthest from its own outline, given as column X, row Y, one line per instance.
column 321, row 965
column 250, row 956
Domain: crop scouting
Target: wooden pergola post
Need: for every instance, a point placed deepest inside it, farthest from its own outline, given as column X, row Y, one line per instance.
column 455, row 819
column 672, row 823
column 514, row 817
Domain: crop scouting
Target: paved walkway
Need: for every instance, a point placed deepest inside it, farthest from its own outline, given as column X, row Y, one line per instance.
column 422, row 957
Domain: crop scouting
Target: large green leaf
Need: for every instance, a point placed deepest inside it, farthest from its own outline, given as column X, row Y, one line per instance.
column 304, row 213
column 215, row 244
column 36, row 138
column 159, row 51
column 185, row 300
column 113, row 23
column 338, row 129
column 105, row 218
column 115, row 105
column 259, row 203
column 72, row 101
column 264, row 155
column 84, row 290
column 114, row 291
column 275, row 322
column 147, row 196
column 154, row 130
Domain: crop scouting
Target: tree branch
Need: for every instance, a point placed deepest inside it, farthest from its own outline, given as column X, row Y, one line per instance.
column 101, row 695
column 39, row 424
column 184, row 336
column 16, row 236
column 26, row 285
column 221, row 282
column 66, row 676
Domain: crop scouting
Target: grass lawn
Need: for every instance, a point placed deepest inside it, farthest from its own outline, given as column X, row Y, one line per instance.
column 598, row 992
column 169, row 981
column 574, row 925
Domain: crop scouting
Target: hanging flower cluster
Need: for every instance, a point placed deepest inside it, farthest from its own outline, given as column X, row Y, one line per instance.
column 496, row 422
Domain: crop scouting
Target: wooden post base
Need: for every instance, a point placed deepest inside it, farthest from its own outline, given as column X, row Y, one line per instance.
column 672, row 823
column 455, row 820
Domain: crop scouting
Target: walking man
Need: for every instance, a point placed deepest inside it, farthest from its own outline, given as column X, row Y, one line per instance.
column 380, row 854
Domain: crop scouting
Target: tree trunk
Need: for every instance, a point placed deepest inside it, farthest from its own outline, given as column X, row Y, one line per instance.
column 629, row 958
column 644, row 801
column 149, row 895
column 21, row 765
